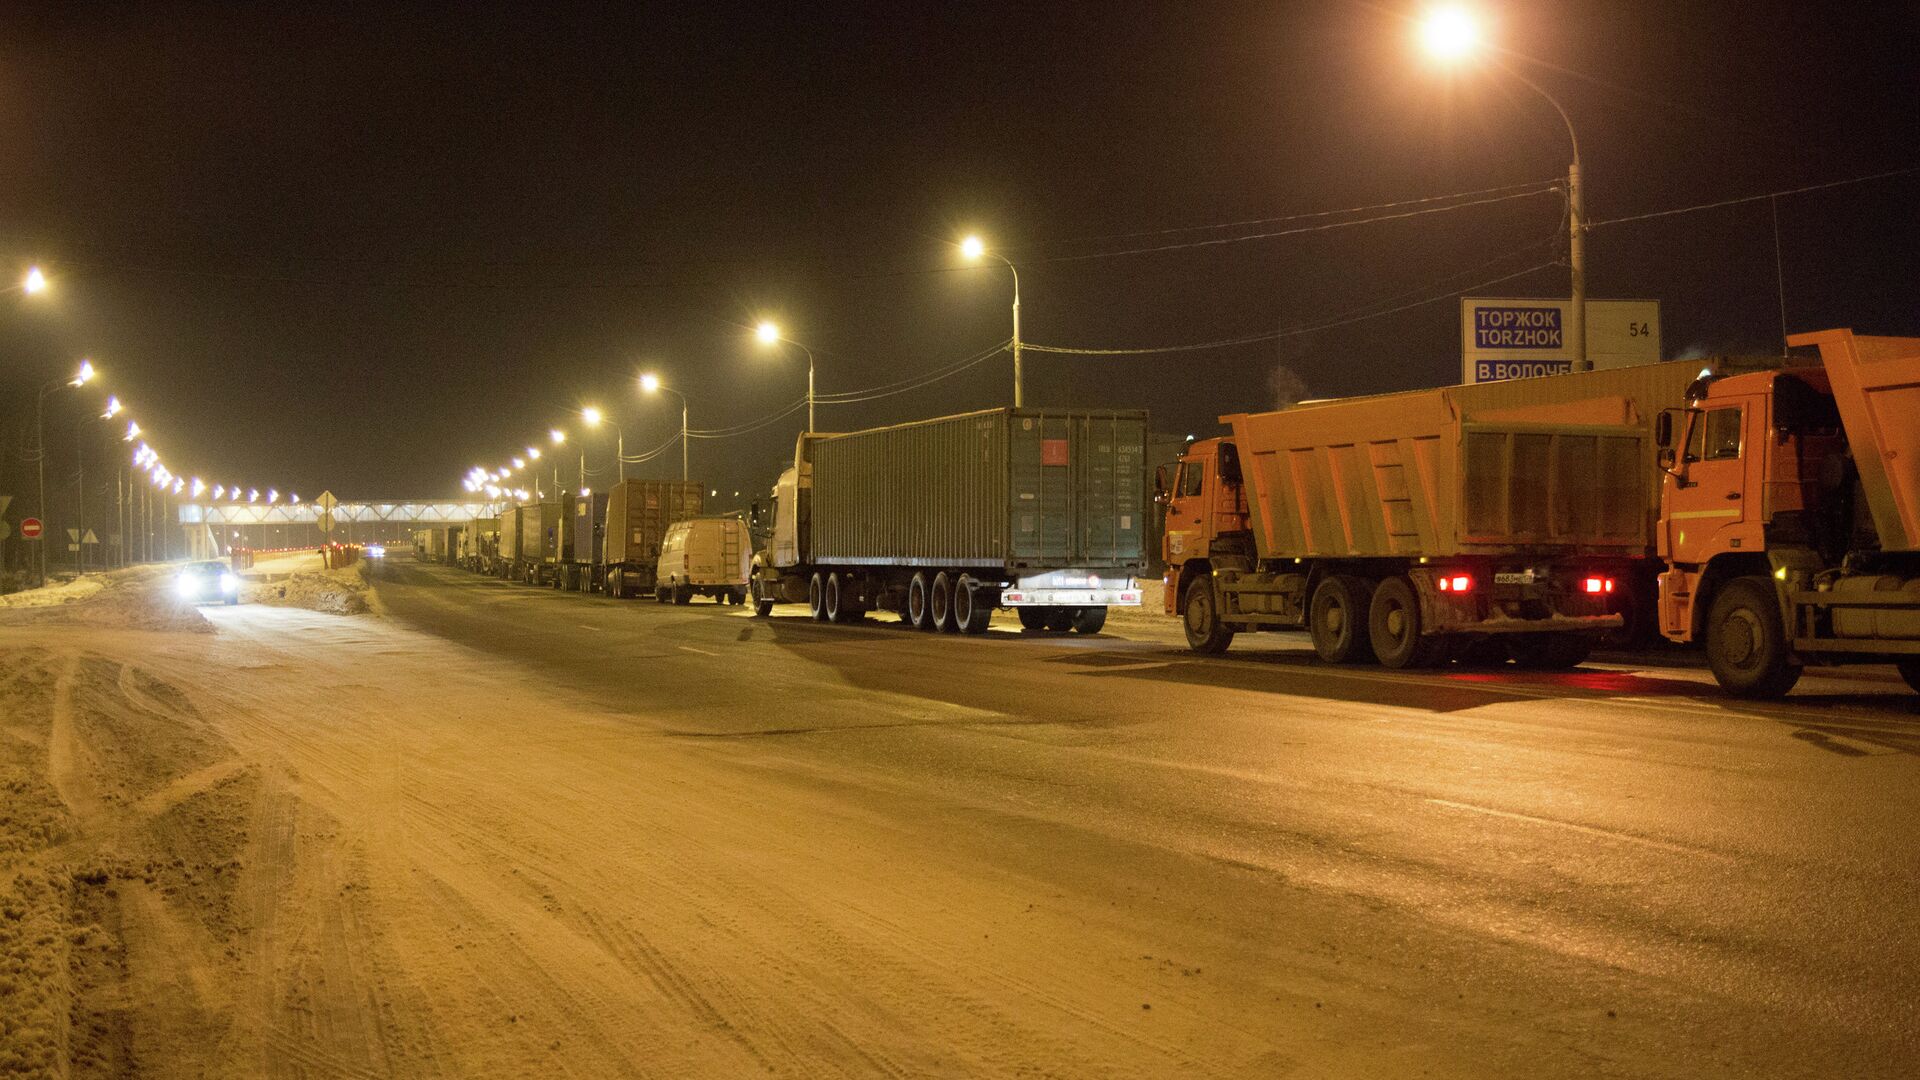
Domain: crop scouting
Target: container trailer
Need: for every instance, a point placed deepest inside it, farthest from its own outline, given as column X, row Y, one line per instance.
column 942, row 521
column 584, row 568
column 638, row 515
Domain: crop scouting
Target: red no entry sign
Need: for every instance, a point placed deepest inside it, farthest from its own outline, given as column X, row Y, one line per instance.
column 30, row 528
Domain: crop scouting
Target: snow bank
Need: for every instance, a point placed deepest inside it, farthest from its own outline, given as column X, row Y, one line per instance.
column 336, row 592
column 138, row 598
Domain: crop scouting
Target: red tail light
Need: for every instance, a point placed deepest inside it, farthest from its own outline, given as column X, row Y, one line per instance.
column 1598, row 585
column 1457, row 583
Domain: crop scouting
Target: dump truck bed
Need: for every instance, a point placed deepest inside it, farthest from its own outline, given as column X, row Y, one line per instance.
column 1563, row 464
column 1876, row 386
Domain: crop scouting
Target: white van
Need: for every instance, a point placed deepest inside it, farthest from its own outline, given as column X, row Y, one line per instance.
column 711, row 556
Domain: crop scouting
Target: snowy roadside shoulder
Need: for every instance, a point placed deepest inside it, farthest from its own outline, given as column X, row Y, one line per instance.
column 138, row 598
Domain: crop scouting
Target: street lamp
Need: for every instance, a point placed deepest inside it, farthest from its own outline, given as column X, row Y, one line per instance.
column 652, row 385
column 80, row 378
column 769, row 334
column 594, row 418
column 973, row 249
column 1451, row 34
column 34, row 283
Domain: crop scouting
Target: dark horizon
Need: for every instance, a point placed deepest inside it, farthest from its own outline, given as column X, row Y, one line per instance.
column 292, row 240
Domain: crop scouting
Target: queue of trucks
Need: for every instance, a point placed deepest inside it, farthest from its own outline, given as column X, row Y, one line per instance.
column 1769, row 510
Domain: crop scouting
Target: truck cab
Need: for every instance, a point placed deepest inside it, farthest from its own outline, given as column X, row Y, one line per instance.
column 1788, row 512
column 1205, row 507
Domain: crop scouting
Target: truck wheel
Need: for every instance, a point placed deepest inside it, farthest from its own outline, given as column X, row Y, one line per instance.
column 817, row 597
column 836, row 611
column 683, row 595
column 1548, row 652
column 1089, row 620
column 1910, row 671
column 1337, row 619
column 1393, row 625
column 971, row 612
column 1059, row 619
column 918, row 615
column 1205, row 632
column 762, row 606
column 940, row 603
column 1032, row 618
column 1746, row 645
column 616, row 584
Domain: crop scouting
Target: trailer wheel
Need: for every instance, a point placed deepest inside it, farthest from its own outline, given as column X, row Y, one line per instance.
column 970, row 614
column 918, row 615
column 1746, row 645
column 1549, row 652
column 817, row 597
column 1393, row 624
column 1032, row 618
column 1089, row 620
column 940, row 603
column 1059, row 619
column 1205, row 632
column 836, row 608
column 616, row 584
column 1910, row 671
column 1337, row 619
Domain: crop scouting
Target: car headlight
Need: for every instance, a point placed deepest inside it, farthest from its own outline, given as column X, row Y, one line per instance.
column 188, row 585
column 229, row 583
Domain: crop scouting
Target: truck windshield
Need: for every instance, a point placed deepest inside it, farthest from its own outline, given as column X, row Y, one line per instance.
column 1192, row 474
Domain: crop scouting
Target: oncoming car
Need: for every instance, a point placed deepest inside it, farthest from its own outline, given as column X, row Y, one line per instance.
column 208, row 582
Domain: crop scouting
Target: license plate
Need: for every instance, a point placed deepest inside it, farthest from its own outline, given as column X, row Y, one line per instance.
column 1521, row 577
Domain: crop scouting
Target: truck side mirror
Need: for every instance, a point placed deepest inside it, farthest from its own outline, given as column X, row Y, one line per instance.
column 1663, row 433
column 1160, row 485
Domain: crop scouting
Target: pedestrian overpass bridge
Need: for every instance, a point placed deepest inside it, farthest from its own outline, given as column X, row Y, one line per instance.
column 356, row 513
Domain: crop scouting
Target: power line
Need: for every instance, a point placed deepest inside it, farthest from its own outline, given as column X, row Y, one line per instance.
column 1756, row 198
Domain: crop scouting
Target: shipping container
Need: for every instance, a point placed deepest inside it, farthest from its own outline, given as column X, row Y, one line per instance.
column 584, row 567
column 637, row 516
column 945, row 520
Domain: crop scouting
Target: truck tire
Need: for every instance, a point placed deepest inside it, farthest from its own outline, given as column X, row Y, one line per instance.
column 817, row 597
column 1337, row 619
column 1089, row 620
column 683, row 595
column 940, row 603
column 836, row 607
column 1393, row 627
column 1549, row 652
column 919, row 614
column 762, row 606
column 1032, row 618
column 1746, row 644
column 1059, row 619
column 972, row 613
column 1205, row 632
column 1910, row 671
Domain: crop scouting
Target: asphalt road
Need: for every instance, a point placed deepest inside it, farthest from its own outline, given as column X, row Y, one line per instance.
column 1613, row 871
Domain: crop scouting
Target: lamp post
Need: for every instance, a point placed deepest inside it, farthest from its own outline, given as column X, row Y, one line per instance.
column 974, row 249
column 1451, row 34
column 594, row 418
column 769, row 334
column 40, row 434
column 652, row 385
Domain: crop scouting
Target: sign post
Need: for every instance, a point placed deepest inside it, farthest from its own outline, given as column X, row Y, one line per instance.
column 1522, row 338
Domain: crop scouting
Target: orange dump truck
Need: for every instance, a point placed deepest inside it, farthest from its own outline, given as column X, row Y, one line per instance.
column 1791, row 521
column 1511, row 519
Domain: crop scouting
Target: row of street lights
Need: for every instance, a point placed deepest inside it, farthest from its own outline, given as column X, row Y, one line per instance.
column 1450, row 34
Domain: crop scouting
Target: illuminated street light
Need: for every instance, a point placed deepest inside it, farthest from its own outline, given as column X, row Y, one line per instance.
column 974, row 249
column 34, row 283
column 533, row 453
column 519, row 463
column 84, row 375
column 557, row 436
column 769, row 334
column 133, row 432
column 253, row 495
column 199, row 487
column 273, row 496
column 651, row 384
column 1451, row 35
column 594, row 418
column 113, row 409
column 219, row 491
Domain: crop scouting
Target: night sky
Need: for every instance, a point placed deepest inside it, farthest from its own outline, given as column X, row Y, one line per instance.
column 365, row 249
